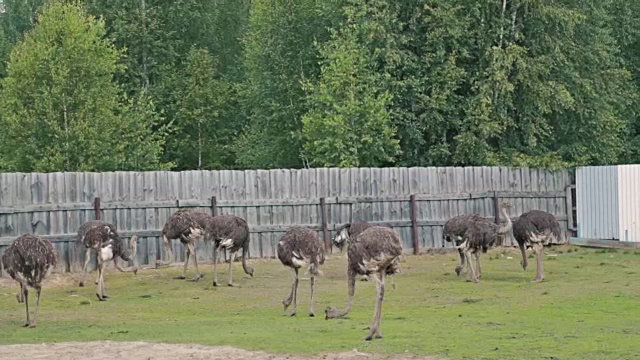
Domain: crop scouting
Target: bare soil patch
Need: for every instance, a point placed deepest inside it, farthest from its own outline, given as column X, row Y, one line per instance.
column 109, row 350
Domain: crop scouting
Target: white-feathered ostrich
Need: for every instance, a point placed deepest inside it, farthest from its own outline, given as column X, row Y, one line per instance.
column 189, row 226
column 375, row 252
column 29, row 260
column 300, row 247
column 110, row 246
column 535, row 228
column 82, row 230
column 474, row 234
column 232, row 233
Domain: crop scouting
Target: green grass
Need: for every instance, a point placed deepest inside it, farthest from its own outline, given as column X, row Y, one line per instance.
column 588, row 308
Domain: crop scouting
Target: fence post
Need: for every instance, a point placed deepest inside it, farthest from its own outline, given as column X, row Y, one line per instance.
column 325, row 226
column 214, row 206
column 496, row 211
column 414, row 225
column 569, row 201
column 96, row 208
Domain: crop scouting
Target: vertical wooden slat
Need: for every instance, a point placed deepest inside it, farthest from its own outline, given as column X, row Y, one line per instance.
column 414, row 225
column 325, row 225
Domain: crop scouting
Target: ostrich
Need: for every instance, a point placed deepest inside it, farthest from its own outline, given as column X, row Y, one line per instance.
column 535, row 228
column 109, row 246
column 375, row 252
column 482, row 235
column 300, row 247
column 472, row 234
column 232, row 233
column 454, row 230
column 82, row 230
column 188, row 226
column 352, row 230
column 28, row 260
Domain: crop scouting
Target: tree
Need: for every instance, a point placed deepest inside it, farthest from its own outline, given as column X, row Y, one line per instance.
column 62, row 111
column 201, row 140
column 348, row 123
column 279, row 56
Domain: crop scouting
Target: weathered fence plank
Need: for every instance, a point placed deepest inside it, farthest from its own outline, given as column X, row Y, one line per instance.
column 271, row 201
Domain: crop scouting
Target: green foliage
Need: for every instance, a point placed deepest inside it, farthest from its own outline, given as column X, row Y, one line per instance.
column 61, row 108
column 517, row 83
column 348, row 124
column 279, row 55
column 588, row 312
column 201, row 140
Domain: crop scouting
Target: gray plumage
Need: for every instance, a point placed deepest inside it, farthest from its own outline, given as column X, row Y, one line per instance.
column 300, row 247
column 473, row 234
column 535, row 228
column 29, row 260
column 231, row 233
column 92, row 246
column 375, row 252
column 454, row 230
column 82, row 231
column 189, row 226
column 109, row 246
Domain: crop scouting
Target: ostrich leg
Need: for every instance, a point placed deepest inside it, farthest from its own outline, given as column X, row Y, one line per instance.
column 192, row 249
column 523, row 251
column 187, row 255
column 374, row 329
column 167, row 248
column 35, row 314
column 216, row 258
column 292, row 296
column 313, row 283
column 232, row 258
column 537, row 248
column 478, row 270
column 460, row 267
column 87, row 257
column 25, row 292
column 471, row 275
column 100, row 293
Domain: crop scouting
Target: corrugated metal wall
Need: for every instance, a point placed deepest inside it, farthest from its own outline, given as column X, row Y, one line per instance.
column 597, row 204
column 629, row 202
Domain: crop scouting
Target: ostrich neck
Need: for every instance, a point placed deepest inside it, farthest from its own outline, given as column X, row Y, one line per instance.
column 504, row 229
column 352, row 289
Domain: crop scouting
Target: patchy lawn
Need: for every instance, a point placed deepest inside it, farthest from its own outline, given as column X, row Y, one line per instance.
column 587, row 308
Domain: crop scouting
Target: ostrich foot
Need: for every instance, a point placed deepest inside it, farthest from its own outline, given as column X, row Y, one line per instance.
column 26, row 324
column 181, row 277
column 230, row 284
column 537, row 280
column 102, row 298
column 32, row 325
column 312, row 314
column 197, row 278
column 81, row 284
column 215, row 283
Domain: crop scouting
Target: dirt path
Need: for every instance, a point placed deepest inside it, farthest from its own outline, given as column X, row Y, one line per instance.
column 109, row 350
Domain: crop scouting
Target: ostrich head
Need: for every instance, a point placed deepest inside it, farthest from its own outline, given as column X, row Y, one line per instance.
column 342, row 237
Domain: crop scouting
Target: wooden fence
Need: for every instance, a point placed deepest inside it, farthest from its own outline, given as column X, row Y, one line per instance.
column 414, row 201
